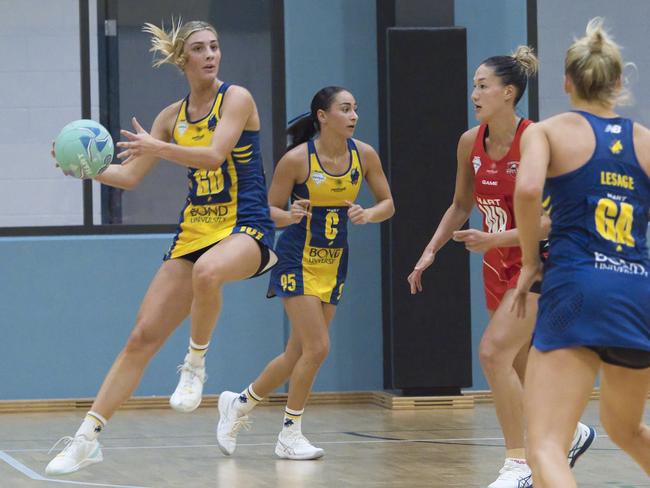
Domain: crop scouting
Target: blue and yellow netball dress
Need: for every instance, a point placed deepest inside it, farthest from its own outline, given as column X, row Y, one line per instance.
column 313, row 254
column 596, row 289
column 229, row 200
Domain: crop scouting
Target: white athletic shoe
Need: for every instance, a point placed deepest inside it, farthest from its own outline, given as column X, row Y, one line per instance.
column 514, row 474
column 293, row 445
column 230, row 422
column 582, row 440
column 189, row 392
column 77, row 453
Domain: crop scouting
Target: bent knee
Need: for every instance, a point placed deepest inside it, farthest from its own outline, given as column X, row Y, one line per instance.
column 542, row 452
column 317, row 351
column 490, row 357
column 143, row 339
column 621, row 434
column 208, row 275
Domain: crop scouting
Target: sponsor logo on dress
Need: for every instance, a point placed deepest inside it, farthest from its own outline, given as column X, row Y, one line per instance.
column 338, row 186
column 317, row 177
column 613, row 128
column 618, row 265
column 322, row 255
column 490, row 182
column 476, row 162
column 208, row 214
column 182, row 127
column 512, row 167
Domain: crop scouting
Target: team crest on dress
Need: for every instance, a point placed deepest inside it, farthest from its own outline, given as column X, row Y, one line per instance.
column 212, row 123
column 616, row 147
column 317, row 177
column 512, row 167
column 182, row 127
column 476, row 162
column 354, row 176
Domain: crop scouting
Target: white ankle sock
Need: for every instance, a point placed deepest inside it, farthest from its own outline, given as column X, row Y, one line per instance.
column 247, row 400
column 92, row 426
column 196, row 353
column 292, row 419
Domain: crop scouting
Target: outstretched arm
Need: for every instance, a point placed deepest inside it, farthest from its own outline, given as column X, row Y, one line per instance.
column 236, row 113
column 455, row 216
column 129, row 176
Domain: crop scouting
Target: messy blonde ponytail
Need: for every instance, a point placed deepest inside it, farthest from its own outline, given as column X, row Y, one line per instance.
column 526, row 59
column 595, row 66
column 170, row 43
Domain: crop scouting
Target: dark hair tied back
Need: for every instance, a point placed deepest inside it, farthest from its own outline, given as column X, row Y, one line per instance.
column 306, row 126
column 514, row 69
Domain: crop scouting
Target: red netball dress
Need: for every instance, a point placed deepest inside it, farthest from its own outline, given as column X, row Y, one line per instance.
column 494, row 188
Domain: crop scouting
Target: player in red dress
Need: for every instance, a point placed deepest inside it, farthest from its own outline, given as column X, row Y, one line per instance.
column 488, row 159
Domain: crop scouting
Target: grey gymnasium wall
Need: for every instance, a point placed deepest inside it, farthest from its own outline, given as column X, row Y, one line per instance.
column 627, row 20
column 39, row 94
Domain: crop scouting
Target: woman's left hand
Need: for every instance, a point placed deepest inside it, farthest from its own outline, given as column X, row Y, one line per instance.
column 357, row 214
column 475, row 240
column 138, row 144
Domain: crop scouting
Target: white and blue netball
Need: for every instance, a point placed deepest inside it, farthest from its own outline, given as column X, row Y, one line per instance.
column 83, row 149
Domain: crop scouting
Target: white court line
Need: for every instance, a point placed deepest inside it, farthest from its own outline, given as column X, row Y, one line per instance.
column 257, row 444
column 35, row 476
column 239, row 444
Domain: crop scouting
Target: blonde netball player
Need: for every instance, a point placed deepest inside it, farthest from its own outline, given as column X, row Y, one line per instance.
column 225, row 231
column 488, row 161
column 322, row 177
column 594, row 310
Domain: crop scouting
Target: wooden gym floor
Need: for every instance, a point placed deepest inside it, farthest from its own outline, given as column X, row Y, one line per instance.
column 366, row 446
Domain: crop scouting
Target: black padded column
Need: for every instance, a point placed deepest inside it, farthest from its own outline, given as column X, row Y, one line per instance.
column 427, row 337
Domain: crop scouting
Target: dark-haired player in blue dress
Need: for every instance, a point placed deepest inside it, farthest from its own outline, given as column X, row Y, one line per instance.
column 321, row 174
column 594, row 310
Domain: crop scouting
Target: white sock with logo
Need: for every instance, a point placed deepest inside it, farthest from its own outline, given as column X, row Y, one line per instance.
column 93, row 424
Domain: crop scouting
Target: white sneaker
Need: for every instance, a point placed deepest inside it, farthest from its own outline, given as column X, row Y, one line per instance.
column 77, row 453
column 293, row 445
column 582, row 440
column 230, row 422
column 514, row 474
column 189, row 392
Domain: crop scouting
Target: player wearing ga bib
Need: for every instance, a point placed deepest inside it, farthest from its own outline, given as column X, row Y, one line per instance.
column 229, row 200
column 596, row 288
column 313, row 254
column 494, row 187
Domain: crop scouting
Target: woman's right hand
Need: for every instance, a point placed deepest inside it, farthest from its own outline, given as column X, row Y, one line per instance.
column 415, row 278
column 298, row 210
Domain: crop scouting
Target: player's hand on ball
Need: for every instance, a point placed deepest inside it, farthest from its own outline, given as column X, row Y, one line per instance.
column 357, row 214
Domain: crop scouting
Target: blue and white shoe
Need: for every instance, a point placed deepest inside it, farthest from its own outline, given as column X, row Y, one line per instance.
column 582, row 439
